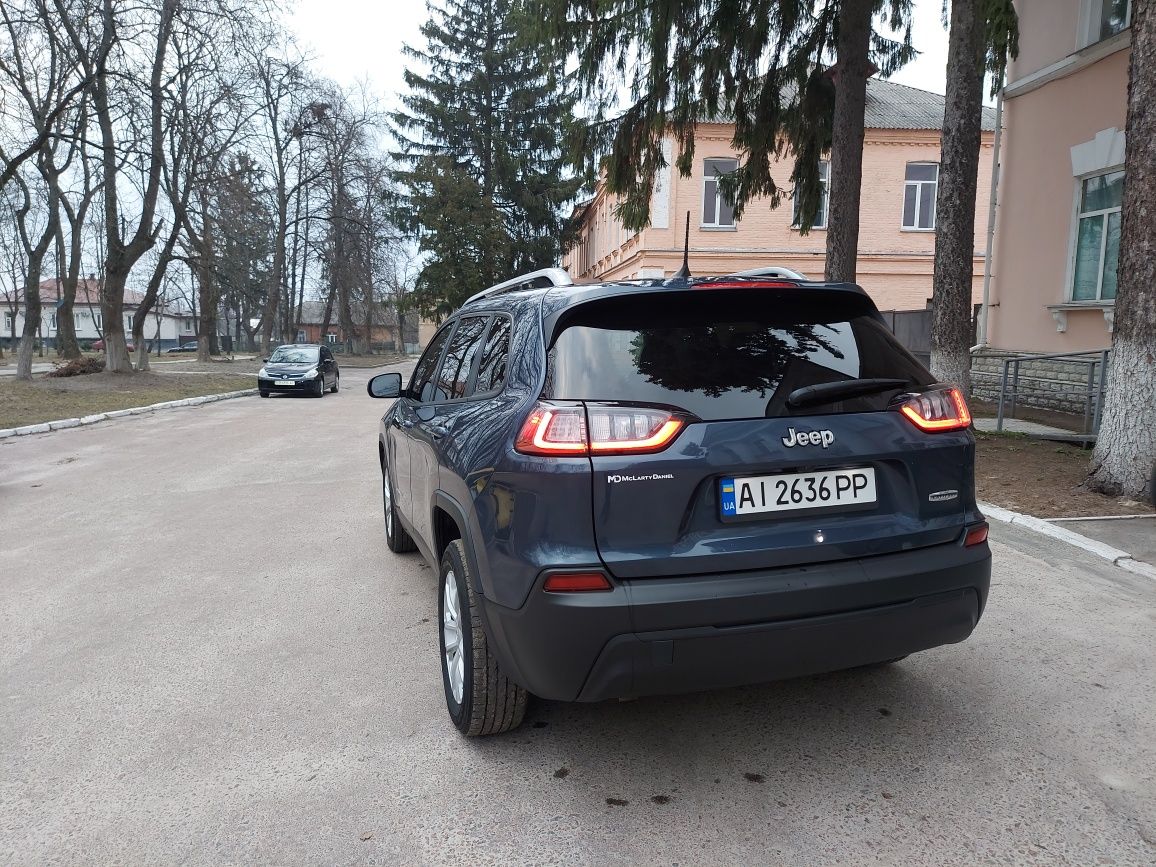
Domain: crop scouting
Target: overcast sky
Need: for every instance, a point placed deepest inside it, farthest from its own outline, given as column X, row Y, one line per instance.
column 360, row 40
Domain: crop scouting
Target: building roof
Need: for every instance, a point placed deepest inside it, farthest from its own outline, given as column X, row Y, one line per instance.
column 891, row 105
column 313, row 312
column 88, row 295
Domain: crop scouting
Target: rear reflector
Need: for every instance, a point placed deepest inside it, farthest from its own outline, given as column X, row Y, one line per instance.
column 576, row 582
column 943, row 409
column 612, row 430
column 976, row 535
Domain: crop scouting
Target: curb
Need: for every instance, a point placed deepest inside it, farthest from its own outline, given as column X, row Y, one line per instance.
column 65, row 423
column 1106, row 552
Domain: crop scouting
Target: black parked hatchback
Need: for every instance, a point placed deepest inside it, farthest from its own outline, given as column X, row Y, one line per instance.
column 665, row 486
column 302, row 368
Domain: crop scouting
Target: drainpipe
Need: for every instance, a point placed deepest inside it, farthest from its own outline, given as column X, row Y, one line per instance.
column 991, row 208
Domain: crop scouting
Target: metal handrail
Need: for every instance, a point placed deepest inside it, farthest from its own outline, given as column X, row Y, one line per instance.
column 1093, row 393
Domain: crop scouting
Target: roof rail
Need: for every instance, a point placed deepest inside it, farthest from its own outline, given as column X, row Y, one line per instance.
column 533, row 280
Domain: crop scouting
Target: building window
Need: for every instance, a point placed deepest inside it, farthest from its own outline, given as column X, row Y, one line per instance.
column 187, row 326
column 128, row 323
column 51, row 321
column 1097, row 250
column 9, row 322
column 919, row 196
column 824, row 198
column 1103, row 19
column 96, row 319
column 717, row 210
column 301, row 336
column 330, row 337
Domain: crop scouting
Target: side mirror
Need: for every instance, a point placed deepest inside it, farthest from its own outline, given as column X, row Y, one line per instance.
column 264, row 360
column 385, row 385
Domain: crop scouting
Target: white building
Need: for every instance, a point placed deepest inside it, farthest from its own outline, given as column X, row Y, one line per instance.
column 173, row 326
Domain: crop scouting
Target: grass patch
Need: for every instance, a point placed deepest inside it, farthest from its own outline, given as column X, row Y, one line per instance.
column 45, row 399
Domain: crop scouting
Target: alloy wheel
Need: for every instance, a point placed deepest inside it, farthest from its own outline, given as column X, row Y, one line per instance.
column 454, row 661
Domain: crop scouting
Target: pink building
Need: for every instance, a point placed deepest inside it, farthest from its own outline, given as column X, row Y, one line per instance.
column 897, row 231
column 1053, row 284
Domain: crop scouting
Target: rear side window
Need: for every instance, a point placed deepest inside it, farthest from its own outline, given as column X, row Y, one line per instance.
column 720, row 356
column 422, row 385
column 459, row 361
column 492, row 370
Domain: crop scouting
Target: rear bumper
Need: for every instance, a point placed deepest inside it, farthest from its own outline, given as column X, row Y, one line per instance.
column 686, row 634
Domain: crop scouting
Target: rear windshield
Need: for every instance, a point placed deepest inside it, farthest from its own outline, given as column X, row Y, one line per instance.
column 726, row 357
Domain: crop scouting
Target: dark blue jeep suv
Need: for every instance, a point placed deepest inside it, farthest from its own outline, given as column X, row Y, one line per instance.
column 663, row 486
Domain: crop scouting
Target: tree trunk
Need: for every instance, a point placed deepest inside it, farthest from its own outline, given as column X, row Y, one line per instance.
column 853, row 69
column 1122, row 463
column 207, row 292
column 951, row 331
column 35, row 255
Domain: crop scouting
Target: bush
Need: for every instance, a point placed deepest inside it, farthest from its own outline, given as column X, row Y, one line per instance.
column 77, row 367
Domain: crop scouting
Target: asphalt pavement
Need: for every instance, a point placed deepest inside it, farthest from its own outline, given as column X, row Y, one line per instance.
column 208, row 655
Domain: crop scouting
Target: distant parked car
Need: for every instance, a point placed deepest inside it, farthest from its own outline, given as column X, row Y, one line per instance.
column 98, row 346
column 301, row 368
column 191, row 346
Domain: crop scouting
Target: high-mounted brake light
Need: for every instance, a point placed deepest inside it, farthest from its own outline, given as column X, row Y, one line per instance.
column 576, row 582
column 601, row 429
column 942, row 409
column 747, row 284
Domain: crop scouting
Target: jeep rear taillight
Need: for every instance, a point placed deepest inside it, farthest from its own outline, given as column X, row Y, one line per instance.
column 600, row 429
column 942, row 409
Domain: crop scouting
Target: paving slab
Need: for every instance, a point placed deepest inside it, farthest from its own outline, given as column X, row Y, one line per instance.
column 1137, row 536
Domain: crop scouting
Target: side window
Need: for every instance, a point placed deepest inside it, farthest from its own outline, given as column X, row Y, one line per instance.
column 459, row 361
column 421, row 386
column 325, row 354
column 492, row 370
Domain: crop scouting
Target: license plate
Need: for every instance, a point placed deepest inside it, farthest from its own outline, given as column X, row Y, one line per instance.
column 287, row 382
column 790, row 492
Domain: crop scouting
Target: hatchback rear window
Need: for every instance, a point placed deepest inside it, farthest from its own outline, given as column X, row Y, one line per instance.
column 725, row 356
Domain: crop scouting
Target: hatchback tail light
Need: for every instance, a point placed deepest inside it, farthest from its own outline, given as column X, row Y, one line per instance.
column 600, row 429
column 942, row 409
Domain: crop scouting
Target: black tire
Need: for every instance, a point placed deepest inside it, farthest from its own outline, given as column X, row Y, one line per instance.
column 396, row 538
column 490, row 702
column 320, row 391
column 336, row 383
column 263, row 392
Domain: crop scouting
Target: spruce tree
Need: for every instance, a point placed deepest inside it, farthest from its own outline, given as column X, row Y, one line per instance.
column 765, row 64
column 481, row 160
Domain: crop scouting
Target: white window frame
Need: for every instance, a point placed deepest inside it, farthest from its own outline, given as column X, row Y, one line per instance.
column 97, row 320
column 825, row 179
column 1074, row 239
column 1091, row 17
column 331, row 338
column 300, row 336
column 51, row 321
column 128, row 323
column 717, row 196
column 919, row 192
column 9, row 322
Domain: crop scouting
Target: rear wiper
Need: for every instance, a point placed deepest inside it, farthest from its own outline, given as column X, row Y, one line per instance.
column 826, row 392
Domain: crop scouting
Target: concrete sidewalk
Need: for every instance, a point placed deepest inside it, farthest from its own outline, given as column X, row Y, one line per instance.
column 1136, row 535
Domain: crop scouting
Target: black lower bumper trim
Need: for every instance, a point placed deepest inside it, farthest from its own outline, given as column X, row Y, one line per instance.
column 688, row 660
